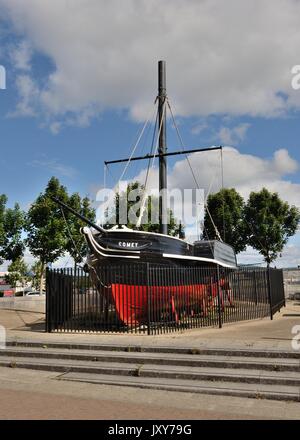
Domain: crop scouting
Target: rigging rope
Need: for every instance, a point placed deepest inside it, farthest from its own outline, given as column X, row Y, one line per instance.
column 150, row 117
column 151, row 153
column 137, row 143
column 70, row 235
column 192, row 171
column 104, row 186
column 223, row 201
column 138, row 224
column 142, row 208
column 78, row 253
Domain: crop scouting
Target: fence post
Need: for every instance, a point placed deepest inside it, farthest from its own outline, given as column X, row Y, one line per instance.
column 48, row 306
column 255, row 287
column 269, row 292
column 283, row 289
column 219, row 297
column 148, row 299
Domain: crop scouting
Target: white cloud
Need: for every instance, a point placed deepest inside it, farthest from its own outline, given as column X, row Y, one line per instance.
column 28, row 97
column 63, row 261
column 55, row 166
column 232, row 57
column 289, row 257
column 55, row 127
column 244, row 172
column 234, row 135
column 199, row 128
column 283, row 163
column 21, row 56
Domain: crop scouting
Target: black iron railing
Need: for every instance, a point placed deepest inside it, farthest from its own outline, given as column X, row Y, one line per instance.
column 151, row 299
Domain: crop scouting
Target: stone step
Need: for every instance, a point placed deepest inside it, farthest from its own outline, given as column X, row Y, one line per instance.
column 291, row 354
column 274, row 364
column 197, row 360
column 258, row 391
column 150, row 370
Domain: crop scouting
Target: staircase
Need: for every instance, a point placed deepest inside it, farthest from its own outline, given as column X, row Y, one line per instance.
column 243, row 372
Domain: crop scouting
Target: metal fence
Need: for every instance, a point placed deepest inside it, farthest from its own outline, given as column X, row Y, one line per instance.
column 144, row 298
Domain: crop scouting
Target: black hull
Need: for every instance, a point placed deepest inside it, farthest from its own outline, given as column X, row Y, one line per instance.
column 125, row 246
column 130, row 268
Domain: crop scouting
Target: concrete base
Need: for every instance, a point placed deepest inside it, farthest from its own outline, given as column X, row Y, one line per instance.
column 26, row 303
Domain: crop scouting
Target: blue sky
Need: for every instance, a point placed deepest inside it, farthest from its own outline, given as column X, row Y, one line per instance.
column 31, row 154
column 75, row 97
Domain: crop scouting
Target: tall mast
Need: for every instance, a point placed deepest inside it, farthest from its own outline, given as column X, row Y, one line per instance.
column 162, row 93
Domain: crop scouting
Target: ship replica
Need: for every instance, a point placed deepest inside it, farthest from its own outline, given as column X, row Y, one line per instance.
column 124, row 248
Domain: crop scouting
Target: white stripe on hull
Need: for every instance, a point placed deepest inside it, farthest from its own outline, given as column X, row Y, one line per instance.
column 204, row 259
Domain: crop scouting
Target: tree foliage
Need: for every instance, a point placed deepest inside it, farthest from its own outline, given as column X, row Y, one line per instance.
column 130, row 199
column 3, row 200
column 226, row 208
column 75, row 241
column 270, row 222
column 52, row 232
column 37, row 271
column 45, row 225
column 12, row 222
column 17, row 272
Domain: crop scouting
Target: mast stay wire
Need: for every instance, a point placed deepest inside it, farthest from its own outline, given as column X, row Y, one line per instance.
column 186, row 156
column 107, row 169
column 145, row 139
column 104, row 175
column 70, row 234
column 151, row 151
column 147, row 173
column 150, row 117
column 142, row 208
column 222, row 170
column 223, row 198
column 192, row 171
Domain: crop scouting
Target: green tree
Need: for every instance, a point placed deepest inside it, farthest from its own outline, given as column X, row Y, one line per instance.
column 226, row 209
column 3, row 200
column 270, row 222
column 17, row 272
column 45, row 226
column 114, row 215
column 37, row 271
column 76, row 244
column 51, row 231
column 12, row 222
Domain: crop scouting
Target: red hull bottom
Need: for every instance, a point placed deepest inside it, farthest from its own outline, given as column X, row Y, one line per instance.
column 131, row 301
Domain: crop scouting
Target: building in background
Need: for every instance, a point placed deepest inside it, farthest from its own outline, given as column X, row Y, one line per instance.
column 291, row 279
column 5, row 289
